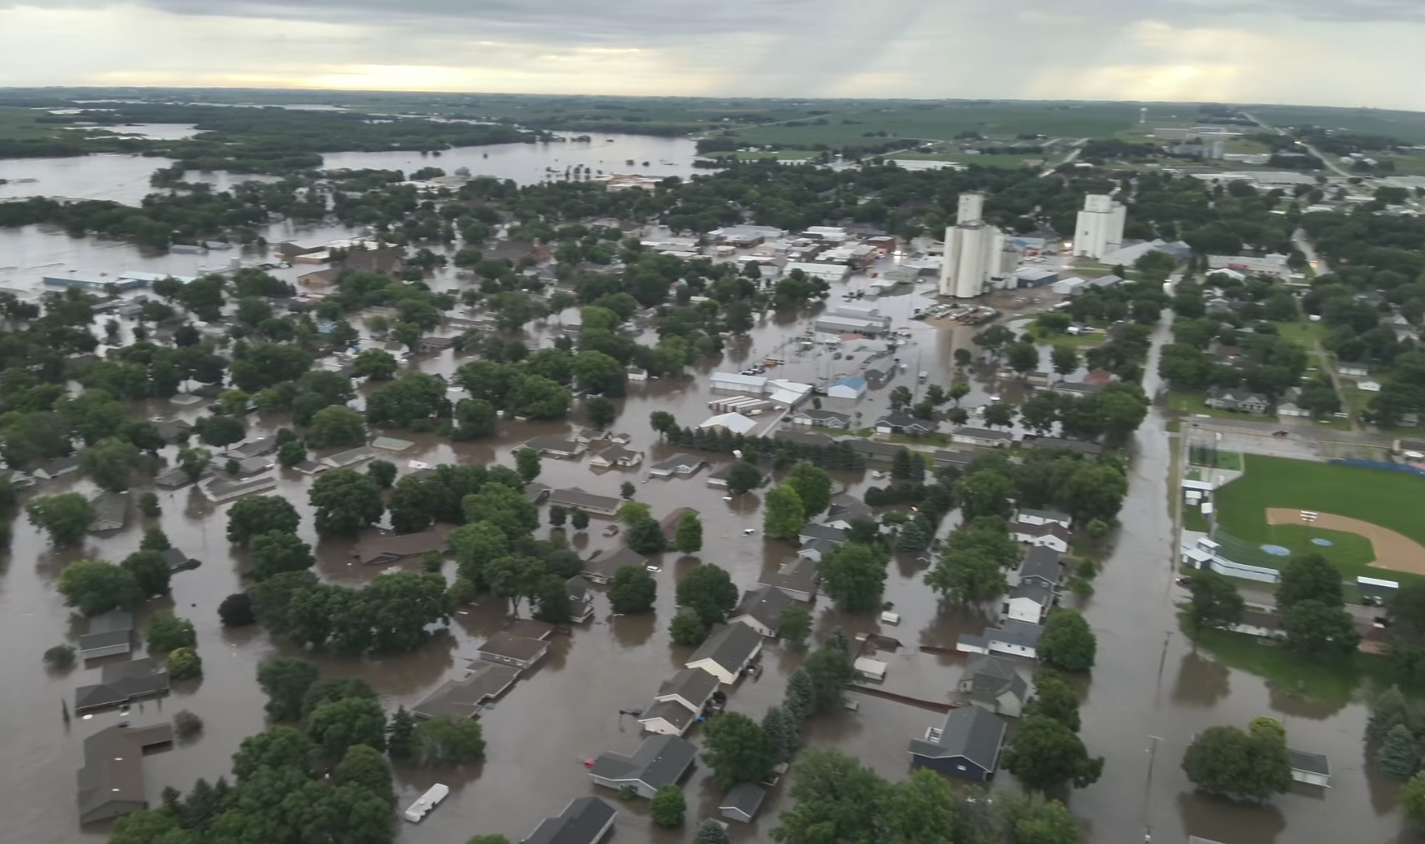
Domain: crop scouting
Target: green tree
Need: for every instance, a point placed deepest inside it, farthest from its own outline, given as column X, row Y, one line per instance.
column 667, row 808
column 782, row 513
column 1045, row 754
column 401, row 734
column 1022, row 357
column 278, row 748
column 1388, row 711
column 527, row 463
column 854, row 576
column 285, row 680
column 277, row 551
column 601, row 412
column 783, row 733
column 831, row 794
column 194, row 461
column 984, row 493
column 662, row 421
column 708, row 592
column 737, row 749
column 687, row 628
column 183, row 664
column 744, row 477
column 1215, row 603
column 109, row 463
column 1054, row 698
column 1033, row 819
column 342, row 724
column 1398, row 756
column 167, row 632
column 920, row 810
column 345, row 501
column 60, row 657
column 96, row 586
column 504, row 507
column 711, row 832
column 969, row 575
column 474, row 546
column 65, row 517
column 632, row 590
column 1065, row 360
column 365, row 767
column 334, row 426
column 626, row 491
column 376, row 364
column 258, row 514
column 830, row 668
column 1314, row 629
column 236, row 610
column 444, row 741
column 579, row 519
column 323, row 692
column 150, row 571
column 1232, row 763
column 1068, row 644
column 689, row 538
column 813, row 487
column 1412, row 799
column 794, row 625
column 475, row 418
column 383, row 472
column 1309, row 577
column 800, row 699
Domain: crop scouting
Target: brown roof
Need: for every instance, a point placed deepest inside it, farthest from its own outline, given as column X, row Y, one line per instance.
column 514, row 647
column 388, row 548
column 384, row 260
column 111, row 782
column 463, row 698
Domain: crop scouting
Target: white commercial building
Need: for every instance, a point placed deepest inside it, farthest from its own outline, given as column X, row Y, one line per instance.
column 1100, row 226
column 973, row 251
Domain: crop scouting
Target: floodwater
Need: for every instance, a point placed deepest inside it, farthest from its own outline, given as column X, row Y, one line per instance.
column 1145, row 699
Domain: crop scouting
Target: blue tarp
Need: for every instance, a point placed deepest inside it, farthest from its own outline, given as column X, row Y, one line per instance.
column 1376, row 464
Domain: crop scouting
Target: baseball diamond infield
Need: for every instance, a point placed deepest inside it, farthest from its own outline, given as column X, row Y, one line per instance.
column 1393, row 551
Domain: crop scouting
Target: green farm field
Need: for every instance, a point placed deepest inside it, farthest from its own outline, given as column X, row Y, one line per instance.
column 942, row 122
column 1407, row 126
column 1388, row 499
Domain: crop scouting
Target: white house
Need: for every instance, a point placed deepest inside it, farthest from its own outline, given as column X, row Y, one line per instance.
column 1049, row 535
column 727, row 651
column 1012, row 636
column 761, row 609
column 1031, row 516
column 982, row 436
column 679, row 702
column 1029, row 601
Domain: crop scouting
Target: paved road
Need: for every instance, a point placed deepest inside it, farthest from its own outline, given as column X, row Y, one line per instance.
column 1304, row 440
column 1335, row 168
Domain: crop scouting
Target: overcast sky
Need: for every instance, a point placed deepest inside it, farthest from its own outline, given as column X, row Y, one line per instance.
column 1326, row 52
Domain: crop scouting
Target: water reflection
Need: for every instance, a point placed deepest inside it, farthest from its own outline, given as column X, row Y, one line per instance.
column 1219, row 819
column 1200, row 681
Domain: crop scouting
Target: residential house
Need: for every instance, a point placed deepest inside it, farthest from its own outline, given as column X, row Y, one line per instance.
column 1041, row 565
column 1239, row 401
column 982, row 437
column 464, row 698
column 995, row 685
column 1352, row 370
column 111, row 783
column 586, row 820
column 846, row 508
column 636, row 375
column 679, row 702
column 590, row 436
column 577, row 499
column 1013, row 637
column 558, row 447
column 1031, row 516
column 110, row 634
column 679, row 464
column 111, row 511
column 661, row 760
column 742, row 802
column 851, row 387
column 809, row 439
column 799, row 579
column 871, row 450
column 534, row 491
column 581, row 603
column 252, row 448
column 1029, row 601
column 220, row 489
column 171, row 479
column 942, row 459
column 815, row 550
column 121, row 683
column 616, row 456
column 761, row 609
column 966, row 745
column 901, row 423
column 508, row 648
column 1078, row 389
column 387, row 548
column 1049, row 535
column 1289, row 405
column 55, row 467
column 601, row 569
column 822, row 419
column 816, row 530
column 435, row 345
column 875, row 375
column 1310, row 768
column 173, row 430
column 728, row 650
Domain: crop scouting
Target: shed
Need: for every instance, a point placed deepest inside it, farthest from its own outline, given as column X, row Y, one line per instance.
column 851, row 387
column 871, row 669
column 742, row 802
column 1310, row 768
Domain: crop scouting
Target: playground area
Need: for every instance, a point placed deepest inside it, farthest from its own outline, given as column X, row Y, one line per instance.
column 1363, row 520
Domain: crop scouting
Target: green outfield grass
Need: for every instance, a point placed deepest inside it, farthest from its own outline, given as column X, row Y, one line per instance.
column 1389, row 499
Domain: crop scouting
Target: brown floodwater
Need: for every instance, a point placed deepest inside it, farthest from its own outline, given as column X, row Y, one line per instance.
column 1147, row 696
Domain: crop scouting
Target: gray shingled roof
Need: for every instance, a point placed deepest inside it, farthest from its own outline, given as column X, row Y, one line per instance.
column 673, row 712
column 745, row 797
column 659, row 761
column 463, row 698
column 969, row 732
column 764, row 604
column 990, row 677
column 729, row 645
column 582, row 822
column 1016, row 632
column 1304, row 760
column 1034, row 591
column 113, row 768
column 1042, row 562
column 690, row 684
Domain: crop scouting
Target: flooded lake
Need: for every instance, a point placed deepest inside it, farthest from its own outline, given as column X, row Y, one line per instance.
column 1143, row 702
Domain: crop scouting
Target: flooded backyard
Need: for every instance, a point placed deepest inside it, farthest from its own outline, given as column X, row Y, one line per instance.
column 1147, row 696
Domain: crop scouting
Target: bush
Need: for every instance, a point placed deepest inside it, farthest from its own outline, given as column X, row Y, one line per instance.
column 668, row 807
column 60, row 656
column 236, row 610
column 148, row 505
column 184, row 664
column 186, row 724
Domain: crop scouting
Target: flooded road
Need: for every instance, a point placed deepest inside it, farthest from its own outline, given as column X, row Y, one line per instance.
column 1145, row 699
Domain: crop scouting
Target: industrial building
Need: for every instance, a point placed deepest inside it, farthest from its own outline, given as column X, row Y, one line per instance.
column 974, row 251
column 1100, row 226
